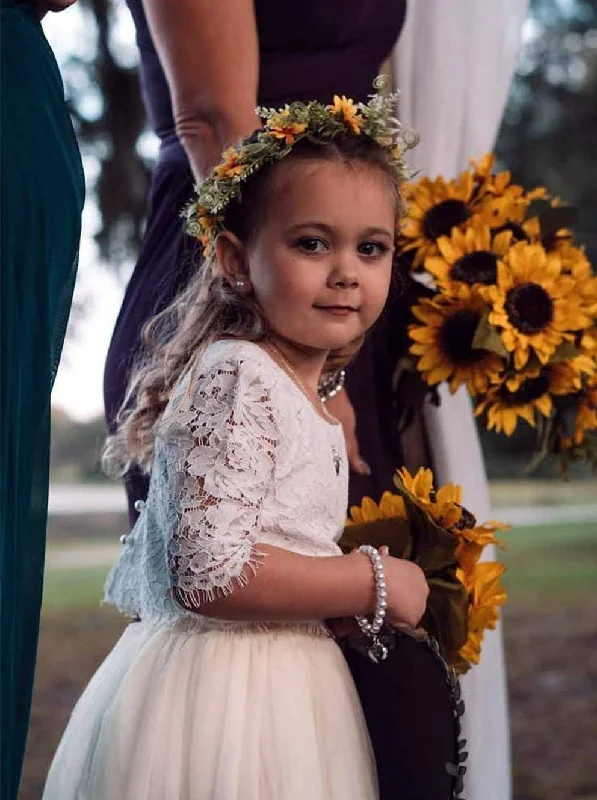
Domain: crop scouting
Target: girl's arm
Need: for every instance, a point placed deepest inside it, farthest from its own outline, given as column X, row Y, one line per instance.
column 289, row 586
column 210, row 55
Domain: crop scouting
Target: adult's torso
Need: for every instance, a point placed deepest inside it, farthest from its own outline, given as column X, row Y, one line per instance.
column 309, row 50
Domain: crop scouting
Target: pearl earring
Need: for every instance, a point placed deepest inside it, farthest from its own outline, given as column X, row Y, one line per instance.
column 239, row 284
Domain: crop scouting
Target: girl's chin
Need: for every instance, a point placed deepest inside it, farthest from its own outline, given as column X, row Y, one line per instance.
column 327, row 337
column 328, row 343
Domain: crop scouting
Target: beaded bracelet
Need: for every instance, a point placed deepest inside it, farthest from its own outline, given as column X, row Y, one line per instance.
column 377, row 651
column 331, row 386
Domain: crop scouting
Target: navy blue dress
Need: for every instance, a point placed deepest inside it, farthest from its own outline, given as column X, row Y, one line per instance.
column 309, row 50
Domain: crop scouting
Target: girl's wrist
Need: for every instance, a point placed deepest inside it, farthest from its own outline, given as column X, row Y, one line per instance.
column 374, row 623
column 371, row 626
column 364, row 582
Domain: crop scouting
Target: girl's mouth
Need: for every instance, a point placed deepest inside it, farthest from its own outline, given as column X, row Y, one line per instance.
column 341, row 311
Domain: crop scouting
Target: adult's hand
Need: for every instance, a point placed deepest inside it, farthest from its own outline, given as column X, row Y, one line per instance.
column 342, row 409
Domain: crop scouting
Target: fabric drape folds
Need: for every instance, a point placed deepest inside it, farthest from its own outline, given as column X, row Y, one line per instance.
column 42, row 198
column 453, row 65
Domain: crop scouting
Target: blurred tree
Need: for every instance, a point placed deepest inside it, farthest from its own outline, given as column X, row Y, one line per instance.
column 76, row 449
column 104, row 98
column 548, row 133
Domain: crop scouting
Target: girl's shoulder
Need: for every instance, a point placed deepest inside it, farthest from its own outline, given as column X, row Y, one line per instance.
column 236, row 362
column 228, row 373
column 237, row 352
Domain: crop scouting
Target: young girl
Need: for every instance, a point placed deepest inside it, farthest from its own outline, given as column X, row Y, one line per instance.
column 231, row 685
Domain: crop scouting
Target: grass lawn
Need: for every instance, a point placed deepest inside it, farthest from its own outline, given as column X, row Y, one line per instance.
column 73, row 588
column 551, row 563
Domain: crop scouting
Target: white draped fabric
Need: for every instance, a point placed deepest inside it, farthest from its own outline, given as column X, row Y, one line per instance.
column 453, row 65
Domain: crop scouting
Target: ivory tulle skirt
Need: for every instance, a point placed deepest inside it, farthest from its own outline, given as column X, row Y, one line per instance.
column 174, row 714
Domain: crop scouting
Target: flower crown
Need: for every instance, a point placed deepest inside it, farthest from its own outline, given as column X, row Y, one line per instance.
column 282, row 129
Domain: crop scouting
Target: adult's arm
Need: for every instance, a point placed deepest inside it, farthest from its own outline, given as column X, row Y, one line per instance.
column 209, row 51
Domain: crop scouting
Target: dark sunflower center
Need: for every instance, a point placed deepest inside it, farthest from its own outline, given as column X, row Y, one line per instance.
column 479, row 267
column 529, row 308
column 518, row 233
column 466, row 521
column 529, row 390
column 456, row 337
column 444, row 216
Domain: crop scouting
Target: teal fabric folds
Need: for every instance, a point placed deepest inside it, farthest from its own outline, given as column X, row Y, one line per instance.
column 42, row 192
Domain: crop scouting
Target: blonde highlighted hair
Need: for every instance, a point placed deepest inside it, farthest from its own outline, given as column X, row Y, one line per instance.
column 209, row 309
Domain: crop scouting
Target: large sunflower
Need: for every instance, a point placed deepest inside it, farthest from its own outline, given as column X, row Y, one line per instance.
column 390, row 506
column 442, row 505
column 560, row 377
column 444, row 342
column 535, row 305
column 445, row 507
column 525, row 394
column 504, row 406
column 500, row 203
column 576, row 265
column 434, row 208
column 486, row 595
column 473, row 540
column 470, row 256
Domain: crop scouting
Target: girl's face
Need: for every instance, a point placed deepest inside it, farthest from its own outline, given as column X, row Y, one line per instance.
column 320, row 263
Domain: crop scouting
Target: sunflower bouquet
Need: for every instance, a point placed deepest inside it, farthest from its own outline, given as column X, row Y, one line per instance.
column 513, row 316
column 434, row 530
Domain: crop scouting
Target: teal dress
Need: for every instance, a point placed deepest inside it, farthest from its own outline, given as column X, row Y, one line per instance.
column 42, row 189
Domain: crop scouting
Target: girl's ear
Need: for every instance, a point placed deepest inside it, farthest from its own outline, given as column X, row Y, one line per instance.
column 230, row 252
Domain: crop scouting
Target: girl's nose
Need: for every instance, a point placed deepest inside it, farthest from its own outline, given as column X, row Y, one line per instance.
column 345, row 274
column 346, row 282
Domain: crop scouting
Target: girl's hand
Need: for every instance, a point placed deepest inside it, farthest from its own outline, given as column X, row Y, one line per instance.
column 407, row 591
column 341, row 408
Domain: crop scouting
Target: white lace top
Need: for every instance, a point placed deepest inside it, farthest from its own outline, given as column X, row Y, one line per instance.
column 241, row 457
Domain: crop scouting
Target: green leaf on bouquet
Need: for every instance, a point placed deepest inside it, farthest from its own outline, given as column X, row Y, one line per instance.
column 487, row 338
column 394, row 533
column 564, row 352
column 552, row 218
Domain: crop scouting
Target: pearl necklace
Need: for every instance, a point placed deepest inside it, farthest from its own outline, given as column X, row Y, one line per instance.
column 302, row 386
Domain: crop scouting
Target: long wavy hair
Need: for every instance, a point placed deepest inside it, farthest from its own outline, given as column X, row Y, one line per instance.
column 209, row 309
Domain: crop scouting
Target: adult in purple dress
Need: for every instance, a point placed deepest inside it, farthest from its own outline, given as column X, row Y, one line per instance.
column 293, row 51
column 204, row 68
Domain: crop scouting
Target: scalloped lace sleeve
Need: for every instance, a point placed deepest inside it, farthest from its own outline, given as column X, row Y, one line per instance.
column 227, row 439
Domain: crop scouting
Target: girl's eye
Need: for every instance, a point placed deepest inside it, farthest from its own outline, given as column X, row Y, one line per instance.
column 311, row 244
column 373, row 249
